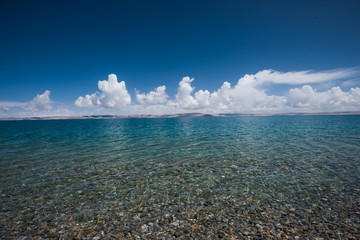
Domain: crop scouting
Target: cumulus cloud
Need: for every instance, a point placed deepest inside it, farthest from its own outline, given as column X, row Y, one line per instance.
column 41, row 102
column 113, row 95
column 308, row 99
column 183, row 98
column 153, row 97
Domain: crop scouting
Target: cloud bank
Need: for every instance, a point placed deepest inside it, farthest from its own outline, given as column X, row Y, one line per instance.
column 339, row 92
column 248, row 95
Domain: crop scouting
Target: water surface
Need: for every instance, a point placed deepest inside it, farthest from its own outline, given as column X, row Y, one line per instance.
column 280, row 176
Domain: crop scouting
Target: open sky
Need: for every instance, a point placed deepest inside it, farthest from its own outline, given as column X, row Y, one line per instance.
column 122, row 57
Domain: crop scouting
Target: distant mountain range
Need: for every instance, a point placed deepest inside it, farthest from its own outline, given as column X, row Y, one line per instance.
column 176, row 115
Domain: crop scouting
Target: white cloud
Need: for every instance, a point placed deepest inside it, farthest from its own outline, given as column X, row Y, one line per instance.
column 153, row 97
column 308, row 99
column 41, row 102
column 183, row 98
column 113, row 95
column 303, row 77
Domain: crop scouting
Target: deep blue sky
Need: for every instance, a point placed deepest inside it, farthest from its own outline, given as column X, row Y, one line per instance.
column 67, row 46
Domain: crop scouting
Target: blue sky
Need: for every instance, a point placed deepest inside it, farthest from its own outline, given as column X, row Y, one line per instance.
column 66, row 47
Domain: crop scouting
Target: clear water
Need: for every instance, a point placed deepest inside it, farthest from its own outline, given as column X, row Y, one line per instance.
column 70, row 177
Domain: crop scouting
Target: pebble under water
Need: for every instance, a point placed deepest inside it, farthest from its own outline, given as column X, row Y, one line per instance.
column 278, row 177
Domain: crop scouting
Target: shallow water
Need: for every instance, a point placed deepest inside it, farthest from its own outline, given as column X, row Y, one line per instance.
column 236, row 177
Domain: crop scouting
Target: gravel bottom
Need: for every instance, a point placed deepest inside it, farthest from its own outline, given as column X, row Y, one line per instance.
column 320, row 216
column 183, row 201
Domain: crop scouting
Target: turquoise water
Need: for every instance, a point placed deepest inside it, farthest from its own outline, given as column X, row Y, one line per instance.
column 181, row 177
